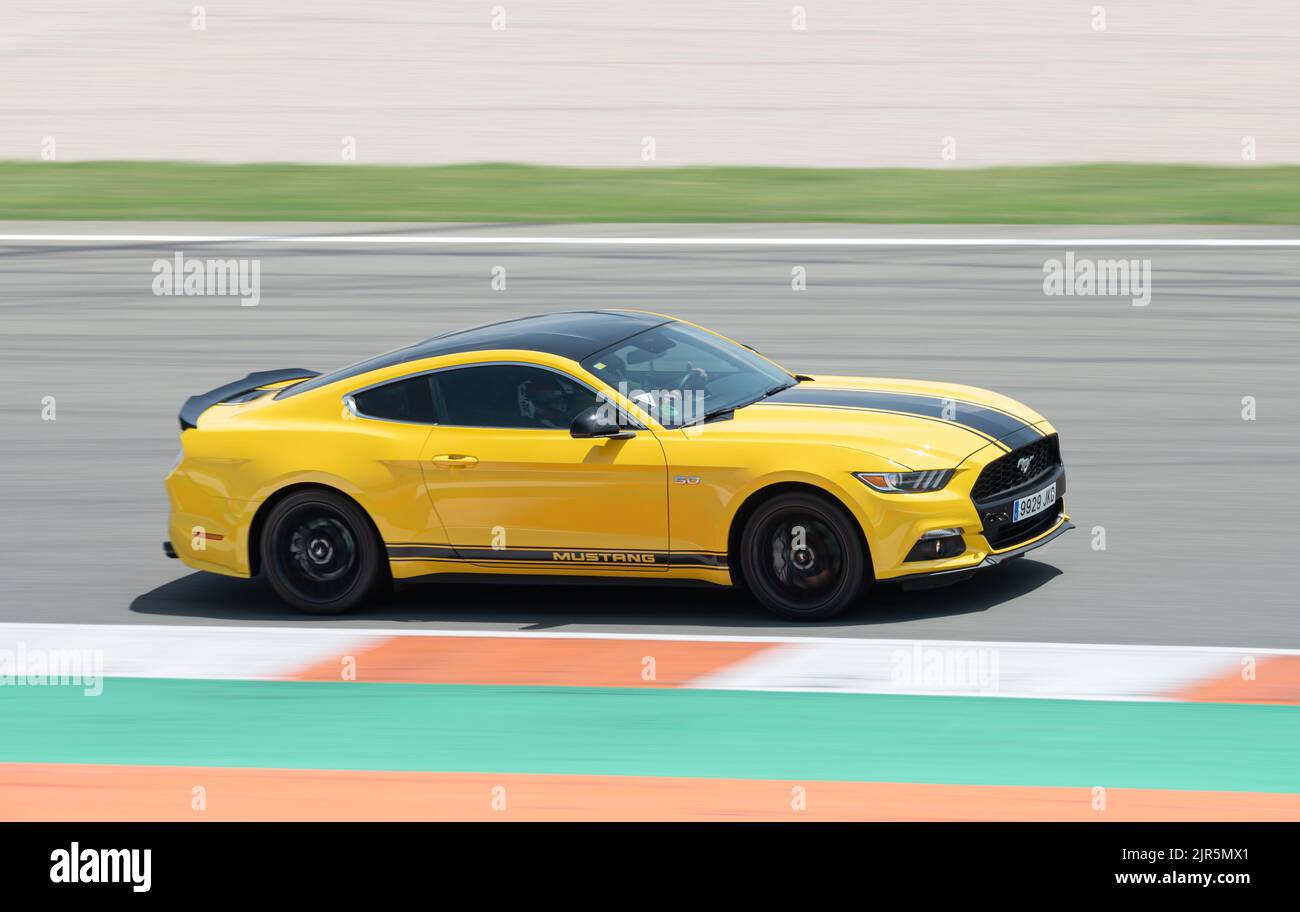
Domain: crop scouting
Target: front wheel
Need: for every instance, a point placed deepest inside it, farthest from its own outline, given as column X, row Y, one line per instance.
column 321, row 554
column 802, row 558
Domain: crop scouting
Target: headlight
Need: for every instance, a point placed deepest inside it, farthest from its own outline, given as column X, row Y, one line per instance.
column 905, row 482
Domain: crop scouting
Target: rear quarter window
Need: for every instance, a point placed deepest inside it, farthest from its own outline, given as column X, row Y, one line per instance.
column 408, row 400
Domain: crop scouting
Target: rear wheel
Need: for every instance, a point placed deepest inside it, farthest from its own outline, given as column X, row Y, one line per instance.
column 802, row 558
column 321, row 554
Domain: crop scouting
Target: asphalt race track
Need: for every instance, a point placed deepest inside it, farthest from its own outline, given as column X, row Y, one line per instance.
column 1198, row 506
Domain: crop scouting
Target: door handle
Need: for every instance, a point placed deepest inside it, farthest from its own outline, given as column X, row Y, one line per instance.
column 455, row 460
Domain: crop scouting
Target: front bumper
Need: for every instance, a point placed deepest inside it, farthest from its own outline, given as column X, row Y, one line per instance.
column 936, row 578
column 895, row 523
column 996, row 527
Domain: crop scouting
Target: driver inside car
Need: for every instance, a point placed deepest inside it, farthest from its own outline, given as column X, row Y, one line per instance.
column 544, row 401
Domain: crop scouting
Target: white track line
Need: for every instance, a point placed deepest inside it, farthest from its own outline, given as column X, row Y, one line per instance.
column 499, row 240
column 1029, row 670
column 8, row 631
column 1075, row 671
column 173, row 652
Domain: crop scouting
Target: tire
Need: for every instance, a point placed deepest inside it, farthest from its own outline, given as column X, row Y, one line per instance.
column 810, row 583
column 321, row 554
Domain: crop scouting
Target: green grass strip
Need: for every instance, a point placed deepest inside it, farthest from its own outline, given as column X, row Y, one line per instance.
column 1078, row 194
column 713, row 734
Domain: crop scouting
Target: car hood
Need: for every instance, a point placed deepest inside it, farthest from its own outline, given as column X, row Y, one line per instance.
column 911, row 424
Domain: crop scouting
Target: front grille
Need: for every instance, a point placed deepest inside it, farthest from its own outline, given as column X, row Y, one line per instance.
column 1003, row 474
column 1009, row 534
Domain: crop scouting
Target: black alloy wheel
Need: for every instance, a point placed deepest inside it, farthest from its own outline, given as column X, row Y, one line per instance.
column 802, row 558
column 321, row 553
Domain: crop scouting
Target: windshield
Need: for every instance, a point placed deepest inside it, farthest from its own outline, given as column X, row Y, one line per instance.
column 682, row 375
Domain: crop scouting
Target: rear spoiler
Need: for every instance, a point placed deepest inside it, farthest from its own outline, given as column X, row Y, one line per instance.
column 197, row 405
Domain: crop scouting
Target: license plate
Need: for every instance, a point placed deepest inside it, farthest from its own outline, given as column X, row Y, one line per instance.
column 1037, row 502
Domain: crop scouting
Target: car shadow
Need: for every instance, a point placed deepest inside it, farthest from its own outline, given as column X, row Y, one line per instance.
column 544, row 607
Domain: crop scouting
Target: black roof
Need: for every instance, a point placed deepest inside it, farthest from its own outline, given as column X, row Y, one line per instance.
column 572, row 334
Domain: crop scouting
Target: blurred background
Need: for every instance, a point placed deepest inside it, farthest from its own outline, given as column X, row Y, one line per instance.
column 584, row 82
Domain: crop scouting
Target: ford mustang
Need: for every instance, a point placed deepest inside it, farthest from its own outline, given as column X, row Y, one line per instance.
column 612, row 445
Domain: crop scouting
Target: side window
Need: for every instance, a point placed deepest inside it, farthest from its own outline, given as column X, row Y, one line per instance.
column 510, row 396
column 402, row 400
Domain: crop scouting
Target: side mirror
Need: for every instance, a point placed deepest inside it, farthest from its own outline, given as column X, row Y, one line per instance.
column 595, row 422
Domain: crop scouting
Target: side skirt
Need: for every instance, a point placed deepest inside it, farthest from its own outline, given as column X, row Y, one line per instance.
column 552, row 579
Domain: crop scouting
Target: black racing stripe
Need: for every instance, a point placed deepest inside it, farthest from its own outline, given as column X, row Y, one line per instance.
column 421, row 552
column 550, row 565
column 425, row 560
column 987, row 421
column 697, row 559
column 612, row 558
column 1017, row 439
column 706, row 561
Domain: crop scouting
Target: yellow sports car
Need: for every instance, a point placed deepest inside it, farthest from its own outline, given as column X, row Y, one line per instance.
column 610, row 444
